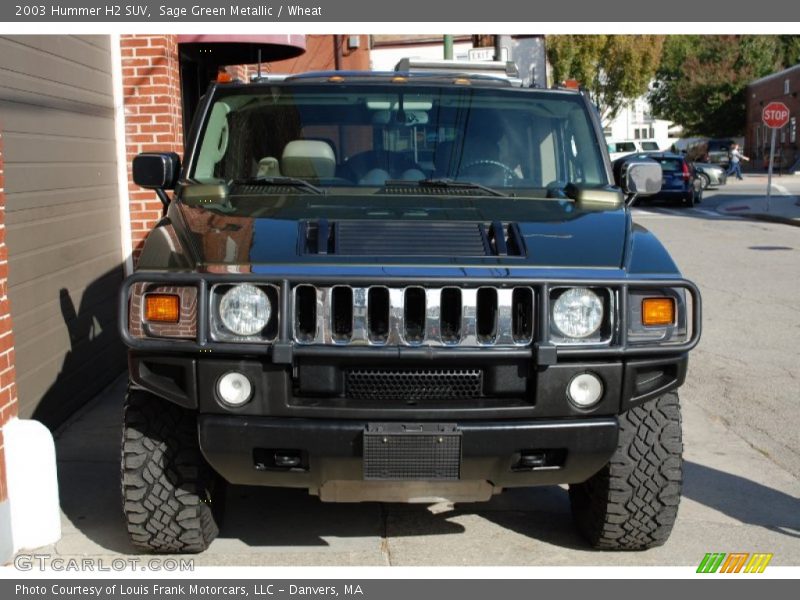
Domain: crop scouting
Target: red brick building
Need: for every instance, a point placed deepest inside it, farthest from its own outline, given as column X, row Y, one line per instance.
column 783, row 86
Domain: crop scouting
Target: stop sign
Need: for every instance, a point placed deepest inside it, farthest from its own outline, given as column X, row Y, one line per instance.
column 775, row 115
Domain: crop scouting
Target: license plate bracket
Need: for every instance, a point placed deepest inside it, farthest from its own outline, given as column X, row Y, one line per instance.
column 412, row 452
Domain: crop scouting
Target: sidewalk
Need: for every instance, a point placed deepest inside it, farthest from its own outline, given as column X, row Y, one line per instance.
column 784, row 206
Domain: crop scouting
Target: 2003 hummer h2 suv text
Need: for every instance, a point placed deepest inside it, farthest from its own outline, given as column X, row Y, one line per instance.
column 399, row 287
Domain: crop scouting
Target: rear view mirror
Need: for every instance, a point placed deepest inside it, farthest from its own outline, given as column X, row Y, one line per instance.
column 640, row 178
column 156, row 171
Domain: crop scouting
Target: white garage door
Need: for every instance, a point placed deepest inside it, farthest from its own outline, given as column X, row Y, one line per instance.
column 62, row 218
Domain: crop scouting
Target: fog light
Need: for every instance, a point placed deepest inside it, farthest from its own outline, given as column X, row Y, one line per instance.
column 234, row 389
column 585, row 390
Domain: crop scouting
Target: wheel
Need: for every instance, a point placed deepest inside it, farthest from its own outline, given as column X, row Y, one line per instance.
column 631, row 504
column 167, row 487
column 705, row 180
column 508, row 172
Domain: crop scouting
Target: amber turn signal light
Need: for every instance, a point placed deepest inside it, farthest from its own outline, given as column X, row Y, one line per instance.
column 164, row 308
column 658, row 311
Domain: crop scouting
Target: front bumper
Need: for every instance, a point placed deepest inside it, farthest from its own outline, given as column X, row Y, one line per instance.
column 244, row 450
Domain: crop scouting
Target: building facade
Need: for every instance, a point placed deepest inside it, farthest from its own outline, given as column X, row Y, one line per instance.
column 783, row 86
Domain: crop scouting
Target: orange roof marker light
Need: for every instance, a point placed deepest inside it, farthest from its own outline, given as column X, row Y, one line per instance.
column 223, row 76
column 162, row 308
column 399, row 79
column 336, row 79
column 658, row 311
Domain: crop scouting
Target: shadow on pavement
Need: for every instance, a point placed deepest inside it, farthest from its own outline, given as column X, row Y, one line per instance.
column 88, row 465
column 742, row 499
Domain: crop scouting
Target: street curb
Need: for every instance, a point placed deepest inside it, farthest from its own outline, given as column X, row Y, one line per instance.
column 768, row 218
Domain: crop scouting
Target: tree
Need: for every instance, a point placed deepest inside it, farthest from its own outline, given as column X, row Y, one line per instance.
column 701, row 81
column 613, row 69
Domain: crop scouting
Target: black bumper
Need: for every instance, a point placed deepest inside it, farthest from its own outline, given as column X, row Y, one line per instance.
column 243, row 450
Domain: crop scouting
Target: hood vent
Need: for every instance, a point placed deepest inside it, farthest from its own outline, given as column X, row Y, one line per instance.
column 411, row 238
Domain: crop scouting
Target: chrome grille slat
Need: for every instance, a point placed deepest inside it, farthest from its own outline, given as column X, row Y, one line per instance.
column 505, row 334
column 395, row 319
column 469, row 318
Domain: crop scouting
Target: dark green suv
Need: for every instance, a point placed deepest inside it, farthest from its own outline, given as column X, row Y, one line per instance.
column 399, row 287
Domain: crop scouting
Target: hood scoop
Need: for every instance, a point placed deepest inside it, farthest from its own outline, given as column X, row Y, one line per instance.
column 410, row 238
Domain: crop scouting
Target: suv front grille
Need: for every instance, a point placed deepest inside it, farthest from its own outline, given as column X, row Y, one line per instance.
column 413, row 316
column 414, row 385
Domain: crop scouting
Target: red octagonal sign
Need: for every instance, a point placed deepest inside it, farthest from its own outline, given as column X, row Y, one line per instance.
column 775, row 115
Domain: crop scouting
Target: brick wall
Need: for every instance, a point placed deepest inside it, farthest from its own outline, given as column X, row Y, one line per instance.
column 152, row 99
column 8, row 388
column 758, row 136
column 320, row 56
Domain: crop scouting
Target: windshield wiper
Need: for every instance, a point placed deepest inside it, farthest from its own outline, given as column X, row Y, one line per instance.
column 444, row 183
column 268, row 180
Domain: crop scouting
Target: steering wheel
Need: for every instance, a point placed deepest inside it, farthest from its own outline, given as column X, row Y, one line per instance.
column 508, row 172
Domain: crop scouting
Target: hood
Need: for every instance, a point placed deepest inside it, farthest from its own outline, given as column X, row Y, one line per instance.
column 427, row 232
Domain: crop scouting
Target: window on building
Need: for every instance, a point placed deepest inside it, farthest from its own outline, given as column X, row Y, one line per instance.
column 637, row 133
column 785, row 86
column 792, row 130
column 652, row 132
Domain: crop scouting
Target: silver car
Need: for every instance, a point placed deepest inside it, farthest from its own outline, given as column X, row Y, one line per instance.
column 710, row 175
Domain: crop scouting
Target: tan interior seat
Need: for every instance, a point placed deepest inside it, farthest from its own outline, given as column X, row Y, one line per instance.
column 313, row 159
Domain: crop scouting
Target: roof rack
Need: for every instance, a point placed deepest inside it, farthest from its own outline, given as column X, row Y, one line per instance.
column 503, row 70
column 267, row 77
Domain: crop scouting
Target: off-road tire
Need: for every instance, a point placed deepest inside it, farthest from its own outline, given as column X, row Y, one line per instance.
column 167, row 486
column 632, row 503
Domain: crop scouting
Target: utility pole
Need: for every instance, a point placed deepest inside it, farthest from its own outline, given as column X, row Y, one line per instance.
column 448, row 47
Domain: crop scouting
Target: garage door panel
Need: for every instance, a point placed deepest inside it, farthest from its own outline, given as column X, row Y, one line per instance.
column 53, row 260
column 29, row 69
column 28, row 118
column 35, row 293
column 44, row 148
column 62, row 219
column 22, row 239
column 48, row 204
column 86, row 51
column 62, row 387
column 30, row 178
column 75, row 334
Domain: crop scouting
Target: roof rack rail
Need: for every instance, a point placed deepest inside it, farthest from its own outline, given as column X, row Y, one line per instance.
column 267, row 77
column 505, row 70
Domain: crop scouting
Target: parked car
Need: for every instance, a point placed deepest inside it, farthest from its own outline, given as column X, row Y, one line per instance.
column 678, row 181
column 710, row 175
column 619, row 148
column 718, row 152
column 321, row 309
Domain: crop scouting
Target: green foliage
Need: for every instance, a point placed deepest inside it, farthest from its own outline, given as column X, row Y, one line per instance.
column 701, row 81
column 613, row 69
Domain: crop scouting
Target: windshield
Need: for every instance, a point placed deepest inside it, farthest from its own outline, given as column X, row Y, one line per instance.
column 359, row 136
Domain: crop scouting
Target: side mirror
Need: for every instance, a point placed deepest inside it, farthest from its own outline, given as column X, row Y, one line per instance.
column 156, row 171
column 640, row 178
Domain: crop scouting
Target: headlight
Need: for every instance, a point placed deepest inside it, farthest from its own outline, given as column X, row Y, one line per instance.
column 245, row 309
column 578, row 313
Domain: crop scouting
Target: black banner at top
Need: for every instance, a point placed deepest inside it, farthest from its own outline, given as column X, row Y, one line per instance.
column 361, row 11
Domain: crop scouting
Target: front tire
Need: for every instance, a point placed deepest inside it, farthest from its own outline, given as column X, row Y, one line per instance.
column 632, row 503
column 167, row 486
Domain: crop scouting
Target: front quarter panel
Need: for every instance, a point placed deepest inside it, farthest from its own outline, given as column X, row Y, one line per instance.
column 646, row 255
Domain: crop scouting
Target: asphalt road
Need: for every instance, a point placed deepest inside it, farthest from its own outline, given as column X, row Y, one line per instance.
column 742, row 445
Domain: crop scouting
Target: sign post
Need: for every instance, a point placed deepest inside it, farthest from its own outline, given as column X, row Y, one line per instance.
column 775, row 115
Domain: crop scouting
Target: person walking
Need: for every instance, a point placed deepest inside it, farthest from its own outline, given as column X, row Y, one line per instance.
column 735, row 167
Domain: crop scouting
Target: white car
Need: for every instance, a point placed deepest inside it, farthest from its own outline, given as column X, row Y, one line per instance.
column 619, row 148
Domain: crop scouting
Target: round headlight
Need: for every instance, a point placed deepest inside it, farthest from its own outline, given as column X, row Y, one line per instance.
column 234, row 388
column 585, row 390
column 578, row 313
column 245, row 309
